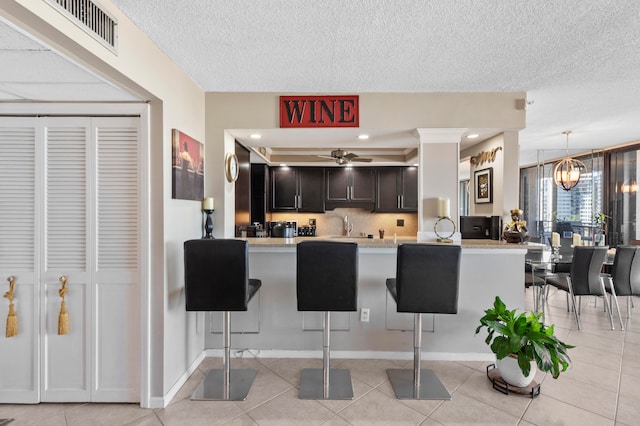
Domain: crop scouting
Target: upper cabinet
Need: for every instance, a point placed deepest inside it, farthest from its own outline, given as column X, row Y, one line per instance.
column 297, row 189
column 316, row 189
column 350, row 187
column 397, row 189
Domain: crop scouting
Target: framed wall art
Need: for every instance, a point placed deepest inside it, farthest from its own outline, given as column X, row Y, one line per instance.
column 187, row 171
column 483, row 186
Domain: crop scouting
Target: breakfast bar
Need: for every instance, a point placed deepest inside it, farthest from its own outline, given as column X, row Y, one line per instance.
column 274, row 328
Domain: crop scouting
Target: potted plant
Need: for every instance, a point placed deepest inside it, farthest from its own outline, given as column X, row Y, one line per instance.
column 523, row 342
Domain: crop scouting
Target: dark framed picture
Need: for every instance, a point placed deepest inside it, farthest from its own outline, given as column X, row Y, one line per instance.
column 187, row 167
column 483, row 186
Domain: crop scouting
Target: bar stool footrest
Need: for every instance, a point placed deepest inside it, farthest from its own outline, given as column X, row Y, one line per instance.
column 212, row 386
column 430, row 385
column 312, row 384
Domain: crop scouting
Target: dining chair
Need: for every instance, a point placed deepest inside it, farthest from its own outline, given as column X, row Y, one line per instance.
column 584, row 279
column 624, row 279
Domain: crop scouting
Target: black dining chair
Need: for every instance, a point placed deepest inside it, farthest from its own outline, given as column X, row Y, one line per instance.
column 624, row 279
column 585, row 278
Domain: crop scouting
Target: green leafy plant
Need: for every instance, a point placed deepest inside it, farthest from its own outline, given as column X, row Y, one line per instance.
column 600, row 220
column 526, row 337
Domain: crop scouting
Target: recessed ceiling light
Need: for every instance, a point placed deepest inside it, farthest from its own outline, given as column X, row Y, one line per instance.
column 472, row 136
column 415, row 165
column 363, row 137
column 255, row 136
column 283, row 165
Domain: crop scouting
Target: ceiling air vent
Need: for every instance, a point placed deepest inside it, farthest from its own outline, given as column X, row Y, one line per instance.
column 90, row 16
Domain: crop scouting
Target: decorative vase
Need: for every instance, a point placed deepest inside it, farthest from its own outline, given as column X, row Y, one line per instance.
column 512, row 374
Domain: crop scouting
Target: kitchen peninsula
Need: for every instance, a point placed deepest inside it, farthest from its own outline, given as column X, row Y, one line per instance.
column 274, row 328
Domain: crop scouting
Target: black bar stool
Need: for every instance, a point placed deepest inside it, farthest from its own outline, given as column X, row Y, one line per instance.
column 427, row 278
column 326, row 280
column 217, row 279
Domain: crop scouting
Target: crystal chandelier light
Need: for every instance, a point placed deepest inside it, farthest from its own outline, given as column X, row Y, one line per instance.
column 567, row 172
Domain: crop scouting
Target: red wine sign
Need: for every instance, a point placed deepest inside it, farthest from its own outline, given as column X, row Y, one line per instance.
column 319, row 111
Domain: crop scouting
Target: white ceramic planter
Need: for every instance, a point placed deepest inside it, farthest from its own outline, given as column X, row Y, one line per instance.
column 512, row 374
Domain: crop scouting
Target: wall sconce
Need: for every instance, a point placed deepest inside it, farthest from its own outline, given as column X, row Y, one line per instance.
column 207, row 207
column 444, row 214
column 629, row 187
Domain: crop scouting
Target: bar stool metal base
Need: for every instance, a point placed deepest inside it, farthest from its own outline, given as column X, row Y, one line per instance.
column 312, row 384
column 212, row 387
column 430, row 385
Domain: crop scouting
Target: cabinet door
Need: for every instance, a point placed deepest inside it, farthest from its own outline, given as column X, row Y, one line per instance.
column 338, row 183
column 284, row 189
column 311, row 189
column 363, row 184
column 409, row 194
column 388, row 198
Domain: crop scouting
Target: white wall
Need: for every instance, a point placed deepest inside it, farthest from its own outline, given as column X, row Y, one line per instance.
column 506, row 175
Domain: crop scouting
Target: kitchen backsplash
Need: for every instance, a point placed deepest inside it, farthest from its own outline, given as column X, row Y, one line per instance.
column 364, row 222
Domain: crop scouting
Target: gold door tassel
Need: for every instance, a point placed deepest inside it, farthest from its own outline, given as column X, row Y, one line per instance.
column 63, row 316
column 12, row 318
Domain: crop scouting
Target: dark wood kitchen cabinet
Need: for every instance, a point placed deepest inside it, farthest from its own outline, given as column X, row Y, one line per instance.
column 298, row 189
column 353, row 186
column 397, row 189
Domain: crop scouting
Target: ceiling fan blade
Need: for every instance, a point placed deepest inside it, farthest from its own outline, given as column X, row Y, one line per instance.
column 326, row 156
column 361, row 160
column 350, row 156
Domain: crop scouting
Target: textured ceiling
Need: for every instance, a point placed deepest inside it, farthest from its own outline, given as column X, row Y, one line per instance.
column 578, row 61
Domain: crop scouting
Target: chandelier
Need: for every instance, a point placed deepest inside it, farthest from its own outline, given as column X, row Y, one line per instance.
column 567, row 172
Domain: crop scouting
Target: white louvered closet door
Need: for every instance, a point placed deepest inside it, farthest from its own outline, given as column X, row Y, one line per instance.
column 69, row 207
column 19, row 361
column 66, row 359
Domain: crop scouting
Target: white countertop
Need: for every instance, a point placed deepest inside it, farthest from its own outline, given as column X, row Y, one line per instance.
column 387, row 242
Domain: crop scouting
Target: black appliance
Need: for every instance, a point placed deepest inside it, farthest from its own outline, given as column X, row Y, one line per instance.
column 283, row 229
column 481, row 227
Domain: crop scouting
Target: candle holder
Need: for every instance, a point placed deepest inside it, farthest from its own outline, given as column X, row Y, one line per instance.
column 208, row 225
column 443, row 239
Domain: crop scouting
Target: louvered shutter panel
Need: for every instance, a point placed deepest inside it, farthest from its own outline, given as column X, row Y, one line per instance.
column 66, row 199
column 17, row 198
column 117, row 182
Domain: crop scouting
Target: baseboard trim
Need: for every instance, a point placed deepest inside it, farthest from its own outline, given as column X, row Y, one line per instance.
column 162, row 402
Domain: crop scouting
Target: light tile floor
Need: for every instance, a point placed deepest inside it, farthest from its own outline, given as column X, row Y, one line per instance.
column 602, row 387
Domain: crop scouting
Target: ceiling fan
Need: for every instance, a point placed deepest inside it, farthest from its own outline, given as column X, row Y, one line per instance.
column 343, row 157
